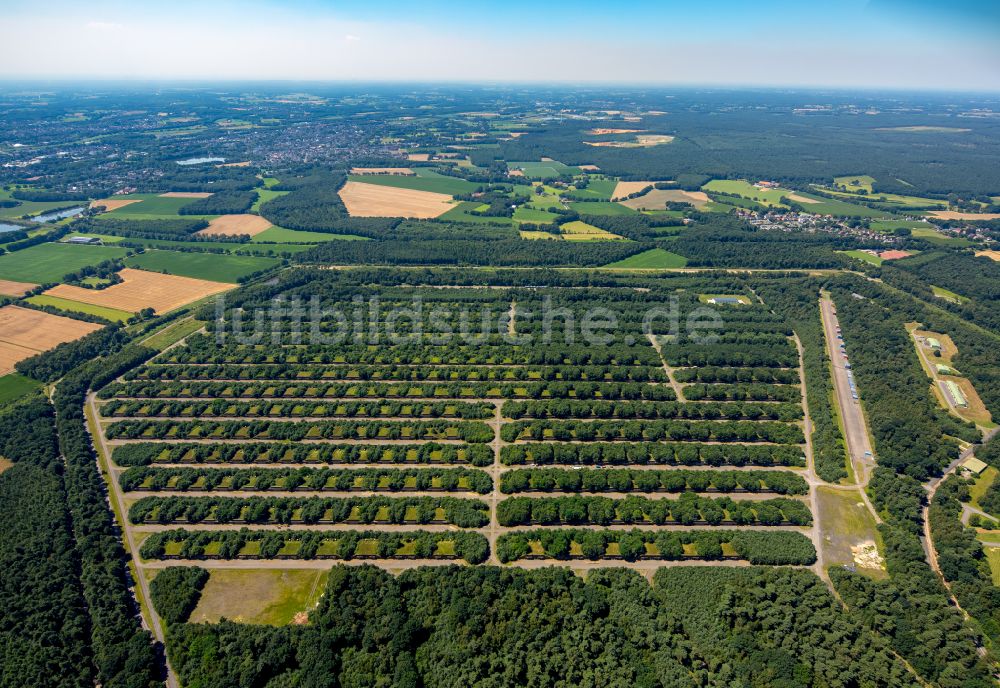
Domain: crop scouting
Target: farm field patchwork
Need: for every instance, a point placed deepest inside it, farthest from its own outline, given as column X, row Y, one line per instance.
column 140, row 289
column 658, row 198
column 50, row 262
column 9, row 288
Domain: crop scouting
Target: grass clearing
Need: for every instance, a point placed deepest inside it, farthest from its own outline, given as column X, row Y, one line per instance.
column 848, row 525
column 855, row 183
column 948, row 295
column 581, row 231
column 205, row 266
column 172, row 334
column 653, row 259
column 599, row 208
column 863, row 256
column 982, row 484
column 425, row 179
column 260, row 596
column 149, row 206
column 280, row 235
column 265, row 195
column 63, row 304
column 51, row 262
column 15, row 386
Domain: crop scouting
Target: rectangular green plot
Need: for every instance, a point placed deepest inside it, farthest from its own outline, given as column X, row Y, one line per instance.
column 150, row 205
column 51, row 262
column 863, row 256
column 208, row 266
column 829, row 206
column 280, row 235
column 265, row 195
column 655, row 258
column 533, row 215
column 543, row 169
column 424, row 181
column 598, row 189
column 15, row 386
column 112, row 314
column 460, row 213
column 597, row 208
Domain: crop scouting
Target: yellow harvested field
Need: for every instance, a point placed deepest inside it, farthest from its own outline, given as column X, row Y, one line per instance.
column 657, row 199
column 141, row 289
column 992, row 255
column 406, row 171
column 235, row 225
column 581, row 231
column 801, row 199
column 418, row 157
column 589, row 168
column 515, row 173
column 185, row 194
column 110, row 204
column 623, row 189
column 604, row 132
column 376, row 200
column 245, row 163
column 25, row 332
column 954, row 215
column 9, row 288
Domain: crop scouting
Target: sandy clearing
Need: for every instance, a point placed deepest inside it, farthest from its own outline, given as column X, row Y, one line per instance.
column 894, row 255
column 604, row 132
column 143, row 289
column 10, row 288
column 515, row 173
column 25, row 332
column 623, row 189
column 110, row 204
column 376, row 200
column 418, row 157
column 801, row 199
column 992, row 255
column 406, row 171
column 954, row 215
column 235, row 225
column 589, row 168
column 658, row 198
column 942, row 130
column 641, row 141
column 244, row 163
column 185, row 194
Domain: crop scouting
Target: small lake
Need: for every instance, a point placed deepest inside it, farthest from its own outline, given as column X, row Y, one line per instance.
column 5, row 227
column 199, row 161
column 58, row 215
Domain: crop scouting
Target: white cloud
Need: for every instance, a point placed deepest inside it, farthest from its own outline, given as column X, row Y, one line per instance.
column 350, row 38
column 104, row 26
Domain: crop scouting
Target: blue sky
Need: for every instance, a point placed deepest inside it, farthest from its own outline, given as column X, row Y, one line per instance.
column 880, row 43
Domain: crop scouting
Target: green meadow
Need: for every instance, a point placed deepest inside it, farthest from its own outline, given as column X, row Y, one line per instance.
column 51, row 262
column 207, row 266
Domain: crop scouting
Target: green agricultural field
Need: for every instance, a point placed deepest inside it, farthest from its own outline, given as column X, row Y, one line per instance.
column 15, row 386
column 172, row 334
column 460, row 213
column 548, row 169
column 208, row 266
column 893, row 225
column 534, row 215
column 51, row 262
column 948, row 295
column 264, row 195
column 112, row 314
column 425, row 179
column 857, row 182
column 863, row 256
column 595, row 208
column 598, row 189
column 896, row 201
column 151, row 206
column 933, row 236
column 768, row 197
column 259, row 249
column 280, row 235
column 829, row 206
column 29, row 207
column 653, row 259
column 581, row 231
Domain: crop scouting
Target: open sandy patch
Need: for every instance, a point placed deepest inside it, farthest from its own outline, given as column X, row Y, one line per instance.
column 185, row 194
column 657, row 199
column 141, row 289
column 641, row 141
column 235, row 225
column 10, row 288
column 405, row 171
column 418, row 157
column 589, row 168
column 992, row 255
column 624, row 189
column 25, row 332
column 244, row 163
column 110, row 204
column 801, row 199
column 605, row 132
column 955, row 215
column 376, row 200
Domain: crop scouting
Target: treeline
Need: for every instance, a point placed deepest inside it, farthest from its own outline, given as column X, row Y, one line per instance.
column 464, row 513
column 578, row 408
column 227, row 202
column 147, row 479
column 688, row 509
column 158, row 229
column 313, row 204
column 44, row 628
column 653, row 430
column 176, row 590
column 312, row 544
column 757, row 547
column 54, row 363
column 147, row 453
column 641, row 453
column 123, row 408
column 469, row 431
column 647, row 480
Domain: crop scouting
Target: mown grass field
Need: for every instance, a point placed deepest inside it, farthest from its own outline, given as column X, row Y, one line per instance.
column 596, row 208
column 208, row 266
column 855, row 183
column 768, row 197
column 270, row 597
column 51, row 262
column 14, row 386
column 846, row 523
column 424, row 180
column 653, row 259
column 547, row 169
column 112, row 314
column 863, row 256
column 151, row 206
column 280, row 235
column 460, row 213
column 265, row 195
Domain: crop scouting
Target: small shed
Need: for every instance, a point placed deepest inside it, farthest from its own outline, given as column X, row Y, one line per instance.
column 973, row 465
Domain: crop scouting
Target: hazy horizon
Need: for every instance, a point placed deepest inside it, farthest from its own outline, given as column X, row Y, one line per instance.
column 863, row 44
